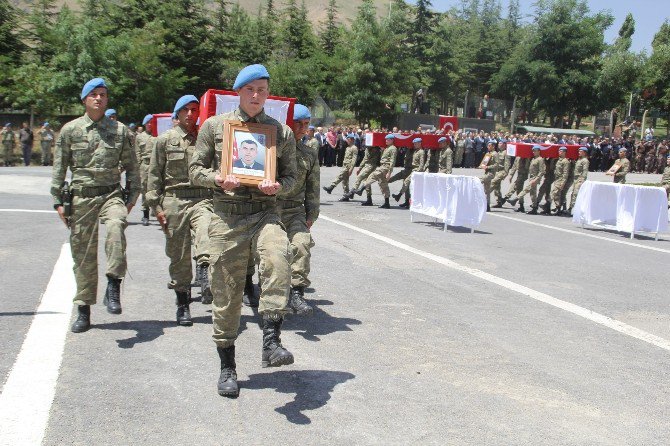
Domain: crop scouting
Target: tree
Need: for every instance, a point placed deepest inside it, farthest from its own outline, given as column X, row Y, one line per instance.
column 330, row 34
column 656, row 78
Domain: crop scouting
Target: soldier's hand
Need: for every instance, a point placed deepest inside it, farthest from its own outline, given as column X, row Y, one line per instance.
column 309, row 224
column 268, row 187
column 229, row 183
column 162, row 220
column 130, row 206
column 358, row 171
column 61, row 214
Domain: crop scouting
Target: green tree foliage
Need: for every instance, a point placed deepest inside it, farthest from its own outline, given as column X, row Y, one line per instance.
column 656, row 79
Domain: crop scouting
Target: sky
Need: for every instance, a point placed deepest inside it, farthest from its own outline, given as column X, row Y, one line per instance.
column 648, row 15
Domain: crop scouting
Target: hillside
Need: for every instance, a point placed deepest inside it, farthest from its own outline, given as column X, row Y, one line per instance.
column 317, row 8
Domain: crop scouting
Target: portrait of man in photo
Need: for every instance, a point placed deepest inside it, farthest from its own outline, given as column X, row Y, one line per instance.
column 250, row 154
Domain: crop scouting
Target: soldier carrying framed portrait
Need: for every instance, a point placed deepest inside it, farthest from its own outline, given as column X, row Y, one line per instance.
column 249, row 152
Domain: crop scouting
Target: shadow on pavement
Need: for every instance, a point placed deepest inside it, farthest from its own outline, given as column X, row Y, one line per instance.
column 147, row 331
column 455, row 229
column 27, row 313
column 626, row 235
column 312, row 389
column 321, row 323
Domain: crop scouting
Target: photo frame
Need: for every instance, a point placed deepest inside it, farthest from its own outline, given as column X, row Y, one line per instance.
column 249, row 152
column 485, row 161
column 614, row 169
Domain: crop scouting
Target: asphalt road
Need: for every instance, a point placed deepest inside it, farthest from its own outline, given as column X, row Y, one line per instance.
column 402, row 349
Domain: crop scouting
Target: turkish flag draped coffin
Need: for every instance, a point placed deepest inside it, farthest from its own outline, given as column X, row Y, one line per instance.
column 524, row 150
column 161, row 123
column 448, row 123
column 427, row 141
column 216, row 102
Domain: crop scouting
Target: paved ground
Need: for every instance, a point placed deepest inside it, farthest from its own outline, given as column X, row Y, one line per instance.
column 402, row 349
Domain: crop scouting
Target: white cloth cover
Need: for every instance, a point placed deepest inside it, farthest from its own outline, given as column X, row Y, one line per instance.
column 457, row 200
column 625, row 207
column 273, row 107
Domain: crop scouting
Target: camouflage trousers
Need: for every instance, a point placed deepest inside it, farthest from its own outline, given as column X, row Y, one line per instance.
column 144, row 176
column 556, row 191
column 496, row 182
column 379, row 176
column 233, row 237
column 486, row 182
column 575, row 191
column 545, row 189
column 458, row 157
column 621, row 180
column 9, row 151
column 532, row 188
column 343, row 177
column 46, row 152
column 517, row 188
column 365, row 173
column 110, row 210
column 405, row 184
column 566, row 188
column 186, row 216
column 301, row 243
column 401, row 175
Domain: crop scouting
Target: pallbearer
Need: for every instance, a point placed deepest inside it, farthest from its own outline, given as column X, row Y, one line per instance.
column 144, row 146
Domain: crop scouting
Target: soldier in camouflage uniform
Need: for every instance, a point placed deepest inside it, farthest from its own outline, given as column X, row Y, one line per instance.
column 46, row 143
column 298, row 210
column 536, row 171
column 383, row 172
column 246, row 221
column 368, row 165
column 406, row 168
column 93, row 147
column 8, row 143
column 620, row 175
column 144, row 146
column 581, row 171
column 418, row 164
column 568, row 184
column 446, row 161
column 348, row 165
column 545, row 188
column 312, row 141
column 520, row 168
column 505, row 162
column 490, row 171
column 561, row 173
column 180, row 207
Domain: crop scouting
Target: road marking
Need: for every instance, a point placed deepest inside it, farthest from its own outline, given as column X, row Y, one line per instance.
column 572, row 231
column 39, row 211
column 27, row 396
column 601, row 319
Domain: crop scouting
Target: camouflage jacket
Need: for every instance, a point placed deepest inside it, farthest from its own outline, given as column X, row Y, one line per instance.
column 623, row 170
column 520, row 166
column 495, row 163
column 665, row 179
column 7, row 135
column 387, row 160
column 581, row 169
column 446, row 160
column 371, row 158
column 561, row 170
column 349, row 161
column 206, row 161
column 418, row 160
column 306, row 190
column 537, row 168
column 94, row 151
column 314, row 144
column 168, row 168
column 144, row 145
column 46, row 135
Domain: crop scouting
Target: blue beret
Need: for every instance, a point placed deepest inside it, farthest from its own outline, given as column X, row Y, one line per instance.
column 417, row 140
column 390, row 136
column 562, row 149
column 109, row 112
column 585, row 149
column 132, row 125
column 147, row 118
column 45, row 124
column 9, row 124
column 311, row 127
column 92, row 85
column 623, row 149
column 351, row 135
column 183, row 102
column 250, row 73
column 443, row 139
column 536, row 147
column 301, row 112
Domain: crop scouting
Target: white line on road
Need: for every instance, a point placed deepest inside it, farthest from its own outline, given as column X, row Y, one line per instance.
column 533, row 294
column 27, row 396
column 572, row 231
column 39, row 211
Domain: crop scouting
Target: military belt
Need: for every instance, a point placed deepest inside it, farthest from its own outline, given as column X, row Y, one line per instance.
column 95, row 191
column 189, row 193
column 287, row 204
column 242, row 208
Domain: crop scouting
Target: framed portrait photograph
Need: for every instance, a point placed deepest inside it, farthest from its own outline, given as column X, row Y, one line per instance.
column 249, row 152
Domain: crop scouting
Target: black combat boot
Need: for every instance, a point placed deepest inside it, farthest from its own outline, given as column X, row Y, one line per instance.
column 274, row 354
column 533, row 211
column 396, row 197
column 297, row 303
column 250, row 298
column 513, row 202
column 359, row 191
column 83, row 321
column 404, row 205
column 386, row 204
column 568, row 213
column 488, row 208
column 113, row 295
column 367, row 202
column 344, row 198
column 499, row 204
column 546, row 209
column 183, row 309
column 328, row 189
column 205, row 287
column 521, row 208
column 227, row 385
column 145, row 217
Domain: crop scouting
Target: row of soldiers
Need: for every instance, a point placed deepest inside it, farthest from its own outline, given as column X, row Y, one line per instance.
column 24, row 136
column 650, row 159
column 204, row 211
